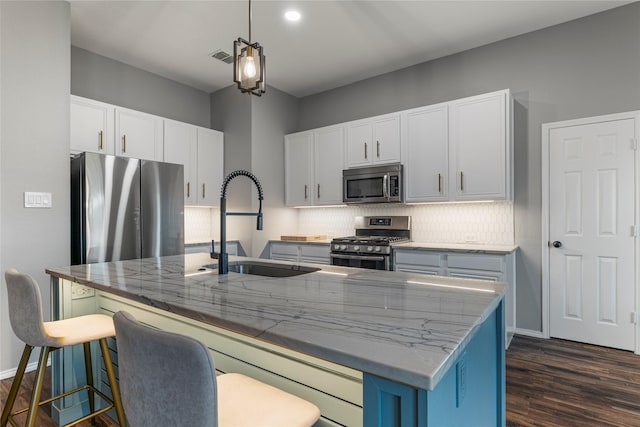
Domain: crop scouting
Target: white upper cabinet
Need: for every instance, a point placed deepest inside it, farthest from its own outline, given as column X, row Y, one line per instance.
column 297, row 168
column 91, row 126
column 480, row 147
column 328, row 153
column 425, row 152
column 181, row 146
column 138, row 135
column 386, row 139
column 210, row 166
column 373, row 141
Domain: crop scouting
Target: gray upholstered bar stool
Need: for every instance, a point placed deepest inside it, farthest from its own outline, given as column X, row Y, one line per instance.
column 25, row 314
column 169, row 379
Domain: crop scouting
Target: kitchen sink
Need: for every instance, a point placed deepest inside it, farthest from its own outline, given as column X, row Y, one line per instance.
column 266, row 269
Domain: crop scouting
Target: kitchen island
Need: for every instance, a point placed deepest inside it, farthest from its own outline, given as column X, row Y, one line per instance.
column 368, row 347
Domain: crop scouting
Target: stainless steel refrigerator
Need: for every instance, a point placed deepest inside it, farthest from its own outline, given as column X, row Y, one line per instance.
column 124, row 208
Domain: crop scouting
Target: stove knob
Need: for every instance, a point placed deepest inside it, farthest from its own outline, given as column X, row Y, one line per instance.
column 378, row 249
column 370, row 248
column 356, row 248
column 343, row 247
column 336, row 247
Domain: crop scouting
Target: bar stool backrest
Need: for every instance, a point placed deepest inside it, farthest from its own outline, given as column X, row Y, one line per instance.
column 25, row 308
column 166, row 379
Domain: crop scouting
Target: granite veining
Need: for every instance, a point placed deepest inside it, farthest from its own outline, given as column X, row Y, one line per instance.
column 458, row 247
column 406, row 327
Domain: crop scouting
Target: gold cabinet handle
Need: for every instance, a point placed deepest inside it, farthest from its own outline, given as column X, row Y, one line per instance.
column 188, row 189
column 124, row 143
column 318, row 191
column 100, row 140
column 203, row 191
column 378, row 148
column 439, row 183
column 461, row 181
column 365, row 151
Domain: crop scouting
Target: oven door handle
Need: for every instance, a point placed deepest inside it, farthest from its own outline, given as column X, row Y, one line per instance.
column 360, row 257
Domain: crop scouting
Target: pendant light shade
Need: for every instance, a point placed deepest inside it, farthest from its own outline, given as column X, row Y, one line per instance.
column 249, row 64
column 248, row 67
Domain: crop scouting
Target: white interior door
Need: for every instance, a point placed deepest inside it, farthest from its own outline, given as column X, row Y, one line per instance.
column 591, row 219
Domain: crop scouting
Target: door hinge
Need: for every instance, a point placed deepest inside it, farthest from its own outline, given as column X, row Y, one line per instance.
column 632, row 317
column 634, row 144
column 634, row 231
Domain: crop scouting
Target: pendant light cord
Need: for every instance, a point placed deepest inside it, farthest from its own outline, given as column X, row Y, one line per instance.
column 249, row 21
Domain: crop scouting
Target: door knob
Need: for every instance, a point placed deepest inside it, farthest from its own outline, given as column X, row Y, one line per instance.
column 557, row 244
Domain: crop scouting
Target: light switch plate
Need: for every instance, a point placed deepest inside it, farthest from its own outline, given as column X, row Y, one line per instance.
column 34, row 199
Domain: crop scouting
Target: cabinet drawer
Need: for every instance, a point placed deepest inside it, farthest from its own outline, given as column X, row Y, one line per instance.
column 284, row 249
column 421, row 258
column 476, row 262
column 314, row 251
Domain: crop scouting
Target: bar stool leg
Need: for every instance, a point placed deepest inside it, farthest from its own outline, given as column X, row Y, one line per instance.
column 115, row 391
column 88, row 368
column 37, row 387
column 15, row 385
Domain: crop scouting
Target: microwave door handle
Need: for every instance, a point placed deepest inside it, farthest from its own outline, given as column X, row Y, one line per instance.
column 385, row 186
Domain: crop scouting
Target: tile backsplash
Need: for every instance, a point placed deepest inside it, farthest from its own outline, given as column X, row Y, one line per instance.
column 483, row 223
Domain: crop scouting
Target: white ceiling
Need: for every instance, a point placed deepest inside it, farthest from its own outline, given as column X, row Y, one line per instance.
column 335, row 43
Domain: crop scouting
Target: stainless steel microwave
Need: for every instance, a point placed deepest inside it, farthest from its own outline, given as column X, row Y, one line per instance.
column 377, row 184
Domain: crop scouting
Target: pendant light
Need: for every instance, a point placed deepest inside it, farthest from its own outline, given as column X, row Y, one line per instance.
column 248, row 64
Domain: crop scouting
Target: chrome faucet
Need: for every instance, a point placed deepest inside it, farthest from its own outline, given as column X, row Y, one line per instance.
column 222, row 256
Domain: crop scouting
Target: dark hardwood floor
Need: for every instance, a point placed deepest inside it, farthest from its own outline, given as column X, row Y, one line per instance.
column 549, row 383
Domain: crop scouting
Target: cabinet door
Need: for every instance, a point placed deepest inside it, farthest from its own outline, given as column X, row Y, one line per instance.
column 315, row 253
column 479, row 134
column 139, row 135
column 425, row 152
column 181, row 146
column 91, row 126
column 297, row 164
column 328, row 165
column 359, row 148
column 385, row 147
column 210, row 166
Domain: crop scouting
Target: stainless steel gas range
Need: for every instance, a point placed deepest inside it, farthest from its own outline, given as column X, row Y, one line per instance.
column 371, row 245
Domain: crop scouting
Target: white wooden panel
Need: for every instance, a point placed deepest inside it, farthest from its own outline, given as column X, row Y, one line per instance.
column 476, row 262
column 607, row 145
column 607, row 289
column 607, row 202
column 573, row 149
column 573, row 287
column 573, row 203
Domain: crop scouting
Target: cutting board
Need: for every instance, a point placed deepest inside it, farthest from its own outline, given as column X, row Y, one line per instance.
column 304, row 237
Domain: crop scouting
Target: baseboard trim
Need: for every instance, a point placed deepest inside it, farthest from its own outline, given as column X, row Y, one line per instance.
column 530, row 333
column 10, row 373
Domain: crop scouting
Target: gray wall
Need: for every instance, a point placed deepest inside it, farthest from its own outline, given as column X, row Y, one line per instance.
column 231, row 114
column 253, row 131
column 275, row 114
column 104, row 79
column 582, row 68
column 34, row 147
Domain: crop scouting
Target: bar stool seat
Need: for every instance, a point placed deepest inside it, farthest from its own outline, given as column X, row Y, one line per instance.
column 176, row 375
column 25, row 314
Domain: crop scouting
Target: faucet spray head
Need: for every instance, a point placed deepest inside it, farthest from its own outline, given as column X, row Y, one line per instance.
column 259, row 222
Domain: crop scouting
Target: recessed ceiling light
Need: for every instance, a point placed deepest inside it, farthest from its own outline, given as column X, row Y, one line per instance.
column 292, row 15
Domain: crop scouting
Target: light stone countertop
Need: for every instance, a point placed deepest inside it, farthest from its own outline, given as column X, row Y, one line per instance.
column 458, row 247
column 407, row 327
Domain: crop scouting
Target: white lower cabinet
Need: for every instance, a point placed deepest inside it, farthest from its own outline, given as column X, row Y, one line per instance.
column 300, row 252
column 495, row 267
